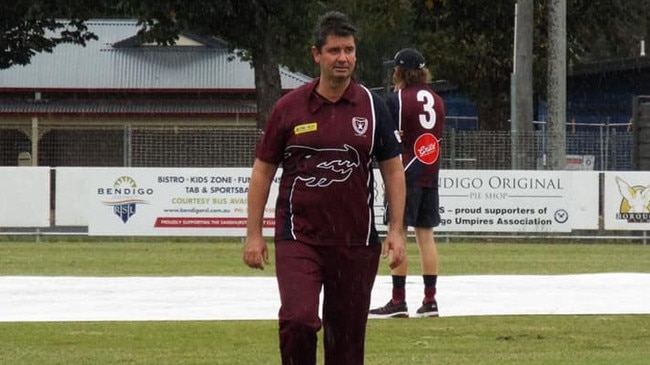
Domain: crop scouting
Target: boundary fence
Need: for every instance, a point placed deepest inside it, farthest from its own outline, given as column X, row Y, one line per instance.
column 596, row 146
column 608, row 147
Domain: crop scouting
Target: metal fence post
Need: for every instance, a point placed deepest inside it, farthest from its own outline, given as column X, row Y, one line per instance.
column 613, row 139
column 602, row 157
column 607, row 139
column 127, row 145
column 452, row 149
column 543, row 149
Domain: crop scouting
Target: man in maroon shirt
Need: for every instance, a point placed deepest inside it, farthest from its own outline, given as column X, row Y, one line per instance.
column 420, row 114
column 325, row 135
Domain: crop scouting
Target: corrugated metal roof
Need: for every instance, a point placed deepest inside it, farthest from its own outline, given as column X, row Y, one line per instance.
column 128, row 107
column 100, row 65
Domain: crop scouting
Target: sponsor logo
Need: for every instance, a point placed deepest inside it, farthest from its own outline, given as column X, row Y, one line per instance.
column 635, row 202
column 305, row 128
column 125, row 195
column 427, row 148
column 561, row 216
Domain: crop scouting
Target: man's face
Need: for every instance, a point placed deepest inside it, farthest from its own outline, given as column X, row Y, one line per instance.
column 337, row 57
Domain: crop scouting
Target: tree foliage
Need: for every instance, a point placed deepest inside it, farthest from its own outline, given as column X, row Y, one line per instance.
column 272, row 32
column 471, row 43
column 257, row 29
column 30, row 27
column 384, row 29
column 605, row 29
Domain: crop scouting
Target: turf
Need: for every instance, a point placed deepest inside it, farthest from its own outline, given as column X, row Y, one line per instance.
column 588, row 339
column 203, row 257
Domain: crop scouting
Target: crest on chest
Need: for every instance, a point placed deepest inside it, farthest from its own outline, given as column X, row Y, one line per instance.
column 360, row 125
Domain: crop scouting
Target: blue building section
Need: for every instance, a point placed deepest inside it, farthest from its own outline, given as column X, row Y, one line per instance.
column 461, row 113
column 604, row 93
column 601, row 100
column 598, row 94
column 600, row 108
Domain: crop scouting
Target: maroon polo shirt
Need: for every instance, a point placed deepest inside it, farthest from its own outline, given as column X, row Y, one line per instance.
column 326, row 151
column 420, row 116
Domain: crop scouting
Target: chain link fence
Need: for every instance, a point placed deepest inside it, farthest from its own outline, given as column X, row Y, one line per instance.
column 608, row 148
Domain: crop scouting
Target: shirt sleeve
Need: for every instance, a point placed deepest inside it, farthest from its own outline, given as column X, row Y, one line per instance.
column 392, row 102
column 387, row 140
column 270, row 147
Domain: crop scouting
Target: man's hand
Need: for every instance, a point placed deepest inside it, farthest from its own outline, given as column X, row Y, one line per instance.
column 395, row 247
column 256, row 252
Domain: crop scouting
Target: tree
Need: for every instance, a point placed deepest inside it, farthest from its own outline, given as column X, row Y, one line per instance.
column 384, row 29
column 470, row 44
column 270, row 32
column 605, row 29
column 31, row 27
column 256, row 29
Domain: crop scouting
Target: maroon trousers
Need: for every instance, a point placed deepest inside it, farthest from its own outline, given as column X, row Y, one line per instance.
column 346, row 274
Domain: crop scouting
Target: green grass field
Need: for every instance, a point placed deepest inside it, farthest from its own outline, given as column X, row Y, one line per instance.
column 588, row 339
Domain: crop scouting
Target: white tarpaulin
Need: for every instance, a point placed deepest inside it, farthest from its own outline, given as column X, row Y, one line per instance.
column 38, row 298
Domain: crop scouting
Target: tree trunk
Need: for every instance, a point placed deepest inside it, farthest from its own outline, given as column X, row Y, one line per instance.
column 556, row 88
column 521, row 125
column 268, row 83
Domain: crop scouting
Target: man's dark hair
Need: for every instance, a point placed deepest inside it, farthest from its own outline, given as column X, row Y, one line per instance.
column 333, row 23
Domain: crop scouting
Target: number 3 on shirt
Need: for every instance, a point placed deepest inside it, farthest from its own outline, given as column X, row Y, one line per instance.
column 428, row 118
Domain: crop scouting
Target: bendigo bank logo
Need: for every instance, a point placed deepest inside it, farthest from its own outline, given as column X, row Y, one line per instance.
column 125, row 196
column 635, row 205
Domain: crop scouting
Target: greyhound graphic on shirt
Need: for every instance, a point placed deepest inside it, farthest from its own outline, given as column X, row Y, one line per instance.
column 322, row 167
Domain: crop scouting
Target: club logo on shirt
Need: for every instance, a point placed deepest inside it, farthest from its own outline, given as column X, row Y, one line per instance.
column 427, row 149
column 322, row 167
column 360, row 125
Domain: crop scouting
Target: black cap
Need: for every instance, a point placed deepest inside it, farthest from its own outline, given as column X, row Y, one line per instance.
column 409, row 58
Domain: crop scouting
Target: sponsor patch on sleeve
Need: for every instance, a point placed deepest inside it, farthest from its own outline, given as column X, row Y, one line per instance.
column 305, row 128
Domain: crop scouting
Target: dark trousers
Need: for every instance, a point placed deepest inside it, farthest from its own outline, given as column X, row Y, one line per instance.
column 346, row 274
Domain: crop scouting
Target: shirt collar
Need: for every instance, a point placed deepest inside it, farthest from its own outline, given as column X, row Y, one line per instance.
column 352, row 95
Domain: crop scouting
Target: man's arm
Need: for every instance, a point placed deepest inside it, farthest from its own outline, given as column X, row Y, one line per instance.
column 255, row 250
column 392, row 171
